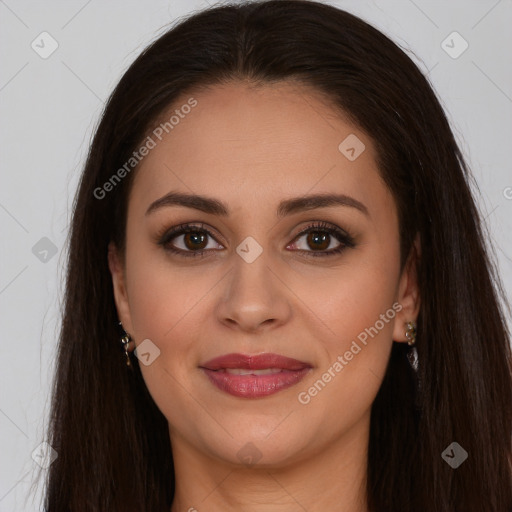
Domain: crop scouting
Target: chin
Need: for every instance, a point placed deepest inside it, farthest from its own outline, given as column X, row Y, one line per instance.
column 264, row 447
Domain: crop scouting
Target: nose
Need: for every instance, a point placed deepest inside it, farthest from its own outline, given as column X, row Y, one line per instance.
column 255, row 297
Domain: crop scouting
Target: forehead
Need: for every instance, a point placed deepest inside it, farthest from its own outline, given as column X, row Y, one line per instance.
column 255, row 145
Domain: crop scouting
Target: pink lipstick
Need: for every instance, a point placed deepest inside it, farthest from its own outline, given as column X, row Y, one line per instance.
column 254, row 376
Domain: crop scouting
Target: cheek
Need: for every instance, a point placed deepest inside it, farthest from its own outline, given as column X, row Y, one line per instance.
column 356, row 349
column 355, row 309
column 347, row 301
column 158, row 293
column 164, row 308
column 169, row 305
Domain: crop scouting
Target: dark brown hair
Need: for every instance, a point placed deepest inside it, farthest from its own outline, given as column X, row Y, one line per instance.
column 112, row 441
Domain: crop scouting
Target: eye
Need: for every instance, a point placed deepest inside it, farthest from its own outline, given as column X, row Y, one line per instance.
column 192, row 240
column 323, row 236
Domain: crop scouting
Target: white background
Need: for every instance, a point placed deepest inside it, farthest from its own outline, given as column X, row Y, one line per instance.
column 49, row 107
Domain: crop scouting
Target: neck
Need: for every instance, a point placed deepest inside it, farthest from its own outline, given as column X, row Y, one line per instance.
column 332, row 479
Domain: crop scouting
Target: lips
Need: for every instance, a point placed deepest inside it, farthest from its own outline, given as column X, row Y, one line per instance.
column 256, row 362
column 254, row 376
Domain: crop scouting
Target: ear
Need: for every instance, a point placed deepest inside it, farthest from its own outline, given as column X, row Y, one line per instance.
column 116, row 267
column 408, row 293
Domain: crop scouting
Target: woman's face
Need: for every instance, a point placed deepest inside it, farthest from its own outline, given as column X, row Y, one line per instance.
column 258, row 160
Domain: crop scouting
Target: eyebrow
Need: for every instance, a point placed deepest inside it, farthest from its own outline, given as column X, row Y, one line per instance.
column 286, row 207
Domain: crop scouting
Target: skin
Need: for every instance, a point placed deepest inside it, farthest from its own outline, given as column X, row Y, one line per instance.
column 252, row 147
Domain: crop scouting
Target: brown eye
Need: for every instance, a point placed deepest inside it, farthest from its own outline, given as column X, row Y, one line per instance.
column 323, row 239
column 317, row 240
column 188, row 240
column 195, row 240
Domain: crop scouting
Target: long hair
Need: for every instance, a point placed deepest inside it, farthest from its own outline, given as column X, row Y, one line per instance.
column 112, row 441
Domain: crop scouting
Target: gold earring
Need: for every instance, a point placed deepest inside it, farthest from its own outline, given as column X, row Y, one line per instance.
column 410, row 333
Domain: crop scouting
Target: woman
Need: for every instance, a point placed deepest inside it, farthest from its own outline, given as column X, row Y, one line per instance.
column 275, row 225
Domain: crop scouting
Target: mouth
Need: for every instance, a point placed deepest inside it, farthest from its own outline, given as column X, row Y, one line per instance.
column 254, row 376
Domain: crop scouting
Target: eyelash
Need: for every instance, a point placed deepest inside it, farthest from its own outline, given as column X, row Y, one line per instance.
column 346, row 240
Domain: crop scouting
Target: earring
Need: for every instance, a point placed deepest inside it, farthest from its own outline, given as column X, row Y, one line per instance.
column 126, row 340
column 410, row 333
